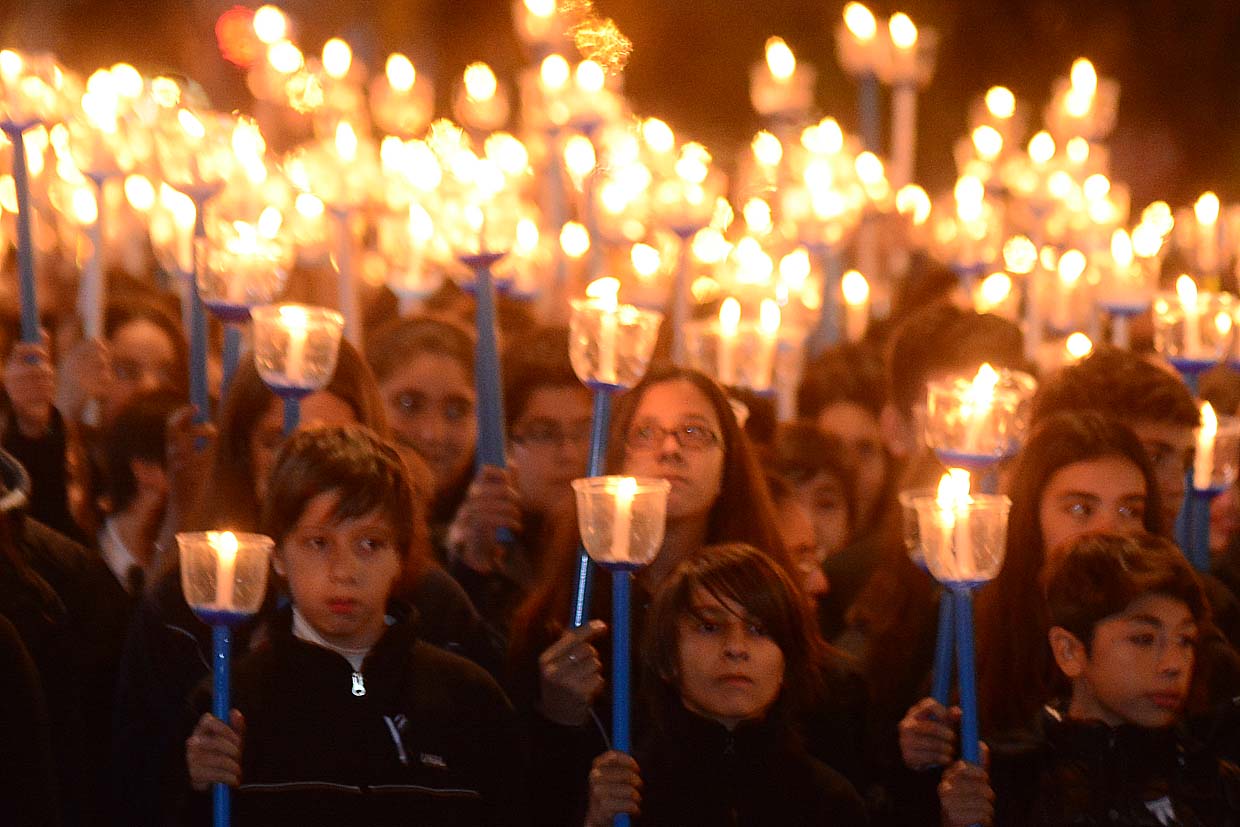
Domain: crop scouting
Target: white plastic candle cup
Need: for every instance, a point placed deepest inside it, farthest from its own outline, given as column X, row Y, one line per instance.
column 963, row 544
column 622, row 519
column 962, row 427
column 908, row 522
column 195, row 149
column 611, row 348
column 224, row 575
column 243, row 268
column 1204, row 334
column 295, row 346
column 747, row 359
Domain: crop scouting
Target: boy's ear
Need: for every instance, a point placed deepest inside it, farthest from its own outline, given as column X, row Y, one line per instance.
column 1070, row 654
column 896, row 432
column 277, row 562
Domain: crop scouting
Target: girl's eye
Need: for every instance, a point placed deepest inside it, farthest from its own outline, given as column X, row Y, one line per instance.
column 1079, row 509
column 373, row 544
column 1146, row 639
column 455, row 410
column 708, row 627
column 757, row 629
column 410, row 403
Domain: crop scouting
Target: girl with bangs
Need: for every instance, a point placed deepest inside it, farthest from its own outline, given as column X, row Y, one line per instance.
column 735, row 658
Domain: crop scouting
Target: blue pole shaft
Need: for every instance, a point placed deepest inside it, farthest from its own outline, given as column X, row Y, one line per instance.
column 969, row 728
column 620, row 670
column 25, row 243
column 221, row 794
column 1198, row 551
column 232, row 354
column 1183, row 521
column 941, row 680
column 827, row 333
column 598, row 450
column 292, row 414
column 680, row 304
column 199, row 394
column 490, row 449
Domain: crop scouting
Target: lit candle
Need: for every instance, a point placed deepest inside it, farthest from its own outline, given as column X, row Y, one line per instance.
column 622, row 526
column 862, row 28
column 729, row 322
column 1203, row 460
column 224, row 544
column 768, row 334
column 604, row 292
column 778, row 86
column 1186, row 289
column 976, row 405
column 1206, row 211
column 856, row 292
column 957, row 545
column 297, row 323
column 903, row 98
column 1071, row 268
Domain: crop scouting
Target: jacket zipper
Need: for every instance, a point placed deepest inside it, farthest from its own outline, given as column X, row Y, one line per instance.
column 359, row 684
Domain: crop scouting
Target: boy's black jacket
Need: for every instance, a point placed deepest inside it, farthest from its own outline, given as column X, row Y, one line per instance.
column 1087, row 773
column 433, row 739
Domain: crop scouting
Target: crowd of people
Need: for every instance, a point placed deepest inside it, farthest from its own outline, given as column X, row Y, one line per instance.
column 409, row 667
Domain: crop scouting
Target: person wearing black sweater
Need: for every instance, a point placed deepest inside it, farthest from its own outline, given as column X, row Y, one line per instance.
column 343, row 715
column 735, row 651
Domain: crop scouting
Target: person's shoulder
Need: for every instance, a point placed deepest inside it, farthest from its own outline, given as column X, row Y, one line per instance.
column 454, row 673
column 836, row 798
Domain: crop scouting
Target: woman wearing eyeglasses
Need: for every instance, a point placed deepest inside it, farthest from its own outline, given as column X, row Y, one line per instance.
column 676, row 425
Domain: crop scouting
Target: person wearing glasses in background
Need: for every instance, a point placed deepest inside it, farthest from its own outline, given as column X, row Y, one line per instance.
column 676, row 424
column 548, row 415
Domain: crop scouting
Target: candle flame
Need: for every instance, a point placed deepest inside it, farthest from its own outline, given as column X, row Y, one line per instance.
column 574, row 239
column 480, row 82
column 1000, row 102
column 590, row 77
column 794, row 269
column 540, row 8
column 869, row 168
column 658, row 135
column 729, row 316
column 605, row 292
column 824, row 138
column 779, row 59
column 953, row 491
column 993, row 291
column 903, row 31
column 1084, row 77
column 400, row 73
column 224, row 544
column 346, row 142
column 757, row 215
column 1020, row 255
column 270, row 25
column 191, row 125
column 979, row 396
column 646, row 260
column 693, row 165
column 1207, row 208
column 1223, row 322
column 855, row 288
column 1121, row 249
column 337, row 58
column 1071, row 265
column 285, row 57
column 988, row 142
column 140, row 193
column 626, row 490
column 913, row 201
column 1209, row 421
column 1186, row 289
column 767, row 149
column 1077, row 150
column 860, row 21
column 579, row 157
column 1146, row 240
column 1041, row 147
column 1078, row 346
column 554, row 72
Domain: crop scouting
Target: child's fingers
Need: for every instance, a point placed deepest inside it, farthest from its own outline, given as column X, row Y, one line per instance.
column 574, row 642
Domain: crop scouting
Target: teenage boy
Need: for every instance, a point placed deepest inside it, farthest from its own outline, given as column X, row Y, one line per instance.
column 1126, row 614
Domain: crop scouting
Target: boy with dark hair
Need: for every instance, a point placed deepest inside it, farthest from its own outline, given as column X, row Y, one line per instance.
column 346, row 715
column 1126, row 614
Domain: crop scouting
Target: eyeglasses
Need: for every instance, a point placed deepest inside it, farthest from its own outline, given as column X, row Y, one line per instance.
column 649, row 437
column 543, row 434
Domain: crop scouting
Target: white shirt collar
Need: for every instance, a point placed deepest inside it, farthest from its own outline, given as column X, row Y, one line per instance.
column 115, row 553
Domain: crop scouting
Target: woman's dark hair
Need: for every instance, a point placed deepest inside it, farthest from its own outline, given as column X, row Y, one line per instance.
column 136, row 433
column 801, row 451
column 845, row 373
column 537, row 360
column 397, row 343
column 229, row 498
column 740, row 574
column 363, row 471
column 1015, row 669
column 1117, row 383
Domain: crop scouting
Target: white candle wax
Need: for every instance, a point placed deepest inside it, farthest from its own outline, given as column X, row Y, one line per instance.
column 1203, row 459
column 297, row 324
column 1186, row 288
column 622, row 525
column 224, row 544
column 729, row 320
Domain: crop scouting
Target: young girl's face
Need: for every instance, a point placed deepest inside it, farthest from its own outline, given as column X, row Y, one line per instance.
column 143, row 359
column 1104, row 494
column 731, row 670
column 340, row 572
column 430, row 403
column 676, row 435
column 321, row 408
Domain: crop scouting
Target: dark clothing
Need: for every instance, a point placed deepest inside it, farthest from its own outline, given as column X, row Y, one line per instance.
column 498, row 593
column 167, row 654
column 833, row 729
column 27, row 775
column 1087, row 773
column 421, row 737
column 69, row 613
column 696, row 772
column 45, row 460
column 848, row 571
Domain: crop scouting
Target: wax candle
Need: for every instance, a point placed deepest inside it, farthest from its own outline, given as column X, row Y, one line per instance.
column 1206, row 211
column 604, row 292
column 976, row 405
column 1071, row 268
column 729, row 322
column 1186, row 289
column 1203, row 460
column 856, row 292
column 622, row 526
column 296, row 322
column 224, row 544
column 769, row 319
column 957, row 545
column 903, row 34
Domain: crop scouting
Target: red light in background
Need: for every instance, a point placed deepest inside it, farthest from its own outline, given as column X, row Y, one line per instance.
column 234, row 32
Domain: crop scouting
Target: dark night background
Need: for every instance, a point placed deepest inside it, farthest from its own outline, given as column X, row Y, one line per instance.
column 1178, row 62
